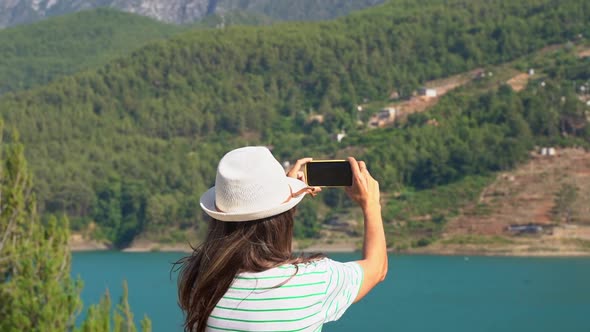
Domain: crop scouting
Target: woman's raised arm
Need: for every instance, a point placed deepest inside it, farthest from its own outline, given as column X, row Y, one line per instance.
column 365, row 191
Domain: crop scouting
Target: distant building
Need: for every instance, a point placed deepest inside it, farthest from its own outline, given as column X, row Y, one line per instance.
column 432, row 122
column 427, row 92
column 481, row 74
column 548, row 152
column 394, row 95
column 387, row 114
column 531, row 72
column 340, row 136
column 525, row 229
column 384, row 117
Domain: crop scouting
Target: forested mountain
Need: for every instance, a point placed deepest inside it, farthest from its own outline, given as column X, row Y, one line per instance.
column 132, row 145
column 13, row 12
column 35, row 54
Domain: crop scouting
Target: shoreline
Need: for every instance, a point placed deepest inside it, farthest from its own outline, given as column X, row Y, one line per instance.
column 562, row 244
column 485, row 253
column 480, row 252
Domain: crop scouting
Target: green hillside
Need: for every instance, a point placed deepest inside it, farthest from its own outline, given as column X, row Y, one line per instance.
column 35, row 54
column 132, row 145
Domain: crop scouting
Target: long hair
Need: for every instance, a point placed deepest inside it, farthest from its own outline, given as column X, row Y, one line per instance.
column 231, row 248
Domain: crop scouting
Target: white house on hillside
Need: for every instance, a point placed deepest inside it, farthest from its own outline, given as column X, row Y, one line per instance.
column 427, row 92
column 387, row 114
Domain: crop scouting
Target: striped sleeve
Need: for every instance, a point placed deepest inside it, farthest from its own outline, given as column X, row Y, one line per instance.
column 343, row 284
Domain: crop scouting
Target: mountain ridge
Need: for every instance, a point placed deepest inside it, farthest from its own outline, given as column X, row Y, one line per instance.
column 14, row 12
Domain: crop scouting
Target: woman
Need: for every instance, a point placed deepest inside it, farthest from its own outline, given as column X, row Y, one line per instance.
column 244, row 276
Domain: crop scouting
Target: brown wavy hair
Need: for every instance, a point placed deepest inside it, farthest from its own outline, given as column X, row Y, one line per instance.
column 231, row 248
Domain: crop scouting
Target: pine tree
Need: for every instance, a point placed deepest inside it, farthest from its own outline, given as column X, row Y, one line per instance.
column 37, row 292
column 98, row 318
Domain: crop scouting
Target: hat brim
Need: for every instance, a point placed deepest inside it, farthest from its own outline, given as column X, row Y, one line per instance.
column 208, row 205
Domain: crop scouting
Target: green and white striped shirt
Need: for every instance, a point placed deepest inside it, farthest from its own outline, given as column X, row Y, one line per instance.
column 280, row 300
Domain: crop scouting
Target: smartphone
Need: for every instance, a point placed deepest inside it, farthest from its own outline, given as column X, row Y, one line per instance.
column 328, row 173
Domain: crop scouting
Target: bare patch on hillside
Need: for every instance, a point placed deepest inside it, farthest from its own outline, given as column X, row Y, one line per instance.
column 584, row 53
column 531, row 194
column 519, row 82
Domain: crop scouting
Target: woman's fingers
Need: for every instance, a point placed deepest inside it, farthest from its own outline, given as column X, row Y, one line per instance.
column 354, row 166
column 364, row 189
column 362, row 166
column 301, row 162
column 300, row 176
column 358, row 190
column 315, row 191
column 294, row 172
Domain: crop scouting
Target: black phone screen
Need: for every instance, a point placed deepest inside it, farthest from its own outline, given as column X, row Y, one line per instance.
column 332, row 173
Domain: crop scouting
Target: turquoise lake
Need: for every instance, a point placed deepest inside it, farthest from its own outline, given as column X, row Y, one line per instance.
column 421, row 293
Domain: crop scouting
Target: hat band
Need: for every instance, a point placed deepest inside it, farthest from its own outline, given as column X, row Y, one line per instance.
column 306, row 190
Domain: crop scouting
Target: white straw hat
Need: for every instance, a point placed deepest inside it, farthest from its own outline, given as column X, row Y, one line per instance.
column 250, row 184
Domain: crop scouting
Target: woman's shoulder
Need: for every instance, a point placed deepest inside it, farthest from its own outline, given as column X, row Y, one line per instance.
column 313, row 268
column 319, row 265
column 312, row 265
column 309, row 273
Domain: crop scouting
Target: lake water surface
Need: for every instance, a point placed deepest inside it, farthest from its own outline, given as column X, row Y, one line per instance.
column 421, row 293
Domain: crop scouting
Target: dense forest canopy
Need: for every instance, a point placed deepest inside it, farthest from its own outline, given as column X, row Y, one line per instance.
column 132, row 145
column 33, row 55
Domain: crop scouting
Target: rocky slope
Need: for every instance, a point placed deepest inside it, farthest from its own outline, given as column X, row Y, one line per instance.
column 13, row 12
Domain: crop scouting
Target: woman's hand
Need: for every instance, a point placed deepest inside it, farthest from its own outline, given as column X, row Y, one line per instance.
column 364, row 189
column 297, row 173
